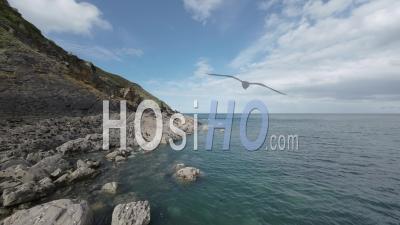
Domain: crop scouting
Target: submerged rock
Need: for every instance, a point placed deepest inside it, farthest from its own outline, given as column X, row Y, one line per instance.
column 59, row 212
column 179, row 166
column 93, row 163
column 111, row 156
column 125, row 197
column 188, row 173
column 134, row 213
column 119, row 158
column 110, row 188
column 118, row 155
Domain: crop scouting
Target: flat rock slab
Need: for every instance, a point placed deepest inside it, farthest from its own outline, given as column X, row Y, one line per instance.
column 27, row 192
column 59, row 212
column 134, row 213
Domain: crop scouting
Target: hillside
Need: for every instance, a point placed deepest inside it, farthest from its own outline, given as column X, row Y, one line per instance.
column 40, row 79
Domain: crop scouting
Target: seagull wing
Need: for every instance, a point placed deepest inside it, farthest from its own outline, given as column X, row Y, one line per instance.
column 222, row 75
column 263, row 85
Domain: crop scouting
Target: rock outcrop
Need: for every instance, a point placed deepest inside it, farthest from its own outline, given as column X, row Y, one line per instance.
column 84, row 170
column 110, row 188
column 134, row 213
column 91, row 143
column 186, row 173
column 59, row 212
column 27, row 192
column 118, row 155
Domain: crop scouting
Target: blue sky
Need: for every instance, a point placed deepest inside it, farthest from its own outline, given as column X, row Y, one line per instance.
column 329, row 56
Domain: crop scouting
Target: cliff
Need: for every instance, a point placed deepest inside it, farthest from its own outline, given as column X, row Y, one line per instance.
column 40, row 79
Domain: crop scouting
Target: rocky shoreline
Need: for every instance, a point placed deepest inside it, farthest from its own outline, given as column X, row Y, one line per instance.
column 34, row 165
column 51, row 125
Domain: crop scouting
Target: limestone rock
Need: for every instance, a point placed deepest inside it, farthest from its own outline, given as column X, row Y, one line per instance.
column 118, row 155
column 81, row 163
column 48, row 165
column 119, row 158
column 111, row 156
column 92, row 163
column 110, row 188
column 58, row 212
column 57, row 173
column 82, row 173
column 134, row 213
column 27, row 192
column 91, row 143
column 188, row 173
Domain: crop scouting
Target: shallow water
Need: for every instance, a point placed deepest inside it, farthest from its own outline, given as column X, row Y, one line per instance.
column 346, row 171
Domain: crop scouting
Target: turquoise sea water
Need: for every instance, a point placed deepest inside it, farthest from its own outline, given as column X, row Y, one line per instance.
column 346, row 171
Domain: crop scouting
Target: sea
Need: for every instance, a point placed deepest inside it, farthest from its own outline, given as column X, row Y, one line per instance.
column 346, row 170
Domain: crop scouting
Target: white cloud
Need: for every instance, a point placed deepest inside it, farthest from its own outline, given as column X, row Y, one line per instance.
column 336, row 56
column 90, row 52
column 267, row 4
column 320, row 9
column 201, row 9
column 331, row 55
column 61, row 15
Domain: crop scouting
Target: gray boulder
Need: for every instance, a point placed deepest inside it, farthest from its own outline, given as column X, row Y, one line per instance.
column 59, row 212
column 8, row 184
column 118, row 155
column 62, row 180
column 13, row 162
column 57, row 173
column 188, row 173
column 27, row 192
column 134, row 213
column 81, row 163
column 93, row 163
column 111, row 156
column 48, row 165
column 91, row 143
column 80, row 173
column 110, row 188
column 21, row 173
column 36, row 172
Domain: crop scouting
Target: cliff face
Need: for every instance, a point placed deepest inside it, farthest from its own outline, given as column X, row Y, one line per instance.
column 40, row 79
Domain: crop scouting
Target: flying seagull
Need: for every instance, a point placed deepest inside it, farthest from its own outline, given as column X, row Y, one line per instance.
column 245, row 84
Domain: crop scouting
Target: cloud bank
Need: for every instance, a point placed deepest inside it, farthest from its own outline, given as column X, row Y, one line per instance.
column 336, row 49
column 329, row 56
column 62, row 16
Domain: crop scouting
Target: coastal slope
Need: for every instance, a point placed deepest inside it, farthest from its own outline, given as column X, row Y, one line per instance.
column 39, row 79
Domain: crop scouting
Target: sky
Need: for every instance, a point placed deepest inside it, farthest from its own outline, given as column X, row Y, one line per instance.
column 329, row 56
